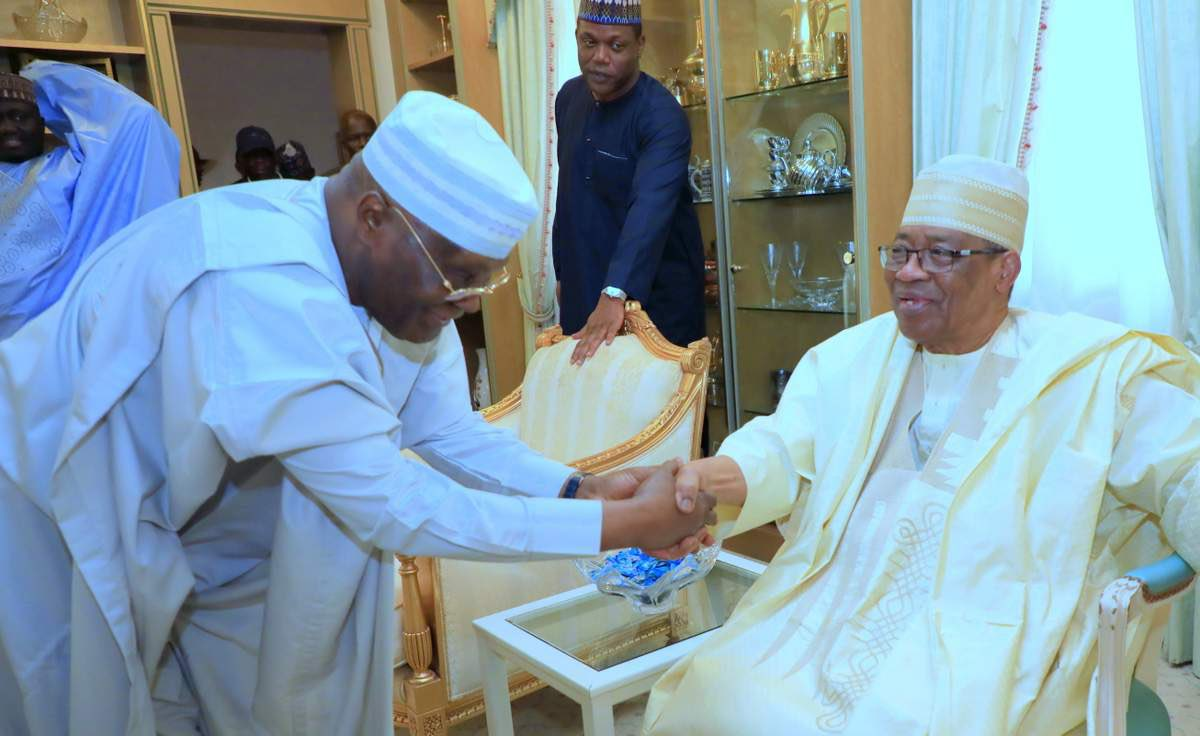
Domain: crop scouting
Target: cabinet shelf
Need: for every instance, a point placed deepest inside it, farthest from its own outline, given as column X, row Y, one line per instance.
column 831, row 82
column 791, row 194
column 84, row 49
column 795, row 308
column 443, row 62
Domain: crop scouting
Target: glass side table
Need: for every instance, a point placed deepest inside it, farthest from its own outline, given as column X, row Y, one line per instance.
column 596, row 649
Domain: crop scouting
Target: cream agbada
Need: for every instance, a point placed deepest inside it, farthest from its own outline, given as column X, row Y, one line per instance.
column 951, row 516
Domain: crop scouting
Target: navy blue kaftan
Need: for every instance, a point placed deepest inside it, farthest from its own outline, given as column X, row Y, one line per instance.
column 625, row 216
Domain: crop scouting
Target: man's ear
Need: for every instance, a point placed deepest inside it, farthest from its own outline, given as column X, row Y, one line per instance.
column 1010, row 269
column 369, row 219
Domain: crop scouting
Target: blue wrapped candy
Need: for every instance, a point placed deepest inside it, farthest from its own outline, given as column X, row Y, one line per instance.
column 650, row 584
column 635, row 566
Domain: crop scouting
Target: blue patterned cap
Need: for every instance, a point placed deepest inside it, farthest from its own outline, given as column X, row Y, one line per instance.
column 611, row 12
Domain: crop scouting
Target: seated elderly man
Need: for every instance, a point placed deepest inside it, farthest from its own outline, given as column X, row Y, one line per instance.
column 962, row 479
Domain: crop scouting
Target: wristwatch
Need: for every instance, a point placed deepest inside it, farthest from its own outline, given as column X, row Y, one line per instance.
column 573, row 482
column 614, row 292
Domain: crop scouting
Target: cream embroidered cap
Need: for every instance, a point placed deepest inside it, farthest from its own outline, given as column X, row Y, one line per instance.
column 972, row 194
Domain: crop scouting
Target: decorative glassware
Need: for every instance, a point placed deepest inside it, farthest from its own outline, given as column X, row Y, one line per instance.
column 675, row 86
column 772, row 259
column 779, row 382
column 694, row 64
column 624, row 573
column 807, row 166
column 797, row 255
column 764, row 69
column 836, row 54
column 49, row 22
column 849, row 281
column 822, row 293
column 700, row 179
column 800, row 16
column 446, row 45
column 779, row 168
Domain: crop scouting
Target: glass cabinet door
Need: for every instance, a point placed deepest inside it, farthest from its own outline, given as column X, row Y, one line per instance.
column 779, row 78
column 674, row 55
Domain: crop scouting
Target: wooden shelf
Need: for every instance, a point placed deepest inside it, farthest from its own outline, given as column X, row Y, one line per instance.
column 88, row 49
column 443, row 62
column 801, row 308
column 839, row 82
column 789, row 194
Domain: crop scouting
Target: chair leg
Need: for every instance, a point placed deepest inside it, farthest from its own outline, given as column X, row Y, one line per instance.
column 425, row 693
column 430, row 724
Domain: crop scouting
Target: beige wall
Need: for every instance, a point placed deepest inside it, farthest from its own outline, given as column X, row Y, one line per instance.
column 276, row 75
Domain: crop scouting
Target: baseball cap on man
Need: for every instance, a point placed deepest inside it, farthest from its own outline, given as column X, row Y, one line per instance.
column 253, row 138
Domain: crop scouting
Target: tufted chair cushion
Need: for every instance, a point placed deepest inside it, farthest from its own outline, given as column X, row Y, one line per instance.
column 570, row 412
column 611, row 412
column 566, row 413
column 474, row 589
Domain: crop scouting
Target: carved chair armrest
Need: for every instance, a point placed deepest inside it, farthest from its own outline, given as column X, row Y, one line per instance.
column 1126, row 598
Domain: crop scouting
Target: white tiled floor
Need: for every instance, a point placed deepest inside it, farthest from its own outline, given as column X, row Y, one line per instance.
column 547, row 713
column 1180, row 690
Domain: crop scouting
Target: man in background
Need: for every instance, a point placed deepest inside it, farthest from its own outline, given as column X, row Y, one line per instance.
column 354, row 130
column 120, row 161
column 255, row 159
column 625, row 227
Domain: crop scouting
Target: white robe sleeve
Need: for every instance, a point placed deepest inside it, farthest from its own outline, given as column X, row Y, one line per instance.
column 288, row 370
column 775, row 454
column 440, row 426
column 1156, row 461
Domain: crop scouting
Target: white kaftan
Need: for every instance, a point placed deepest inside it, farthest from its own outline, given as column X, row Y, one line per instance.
column 216, row 432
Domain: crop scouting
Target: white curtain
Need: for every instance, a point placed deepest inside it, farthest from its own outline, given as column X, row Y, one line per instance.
column 1168, row 37
column 1091, row 244
column 972, row 69
column 535, row 40
column 1168, row 40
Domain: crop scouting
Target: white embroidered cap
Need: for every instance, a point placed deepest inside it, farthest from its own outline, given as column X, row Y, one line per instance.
column 441, row 161
column 972, row 194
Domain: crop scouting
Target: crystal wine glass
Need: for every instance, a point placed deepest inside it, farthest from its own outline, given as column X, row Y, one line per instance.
column 772, row 259
column 797, row 254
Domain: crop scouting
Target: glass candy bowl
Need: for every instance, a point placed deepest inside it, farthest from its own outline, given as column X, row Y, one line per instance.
column 649, row 584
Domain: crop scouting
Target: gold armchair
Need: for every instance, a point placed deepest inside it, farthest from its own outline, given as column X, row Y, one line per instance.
column 639, row 401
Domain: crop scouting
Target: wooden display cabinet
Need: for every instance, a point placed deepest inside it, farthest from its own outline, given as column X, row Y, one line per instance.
column 865, row 109
column 870, row 101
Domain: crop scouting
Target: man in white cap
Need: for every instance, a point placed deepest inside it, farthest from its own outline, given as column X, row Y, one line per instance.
column 203, row 481
column 960, row 480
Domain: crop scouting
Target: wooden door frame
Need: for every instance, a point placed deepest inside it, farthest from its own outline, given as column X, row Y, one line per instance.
column 350, row 46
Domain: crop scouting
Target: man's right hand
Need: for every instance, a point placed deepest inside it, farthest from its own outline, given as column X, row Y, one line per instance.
column 651, row 519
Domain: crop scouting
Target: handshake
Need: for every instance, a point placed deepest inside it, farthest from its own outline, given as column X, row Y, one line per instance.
column 659, row 509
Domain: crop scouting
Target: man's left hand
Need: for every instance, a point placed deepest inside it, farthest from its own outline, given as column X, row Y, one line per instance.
column 601, row 327
column 616, row 485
